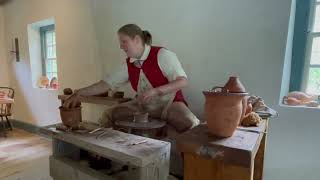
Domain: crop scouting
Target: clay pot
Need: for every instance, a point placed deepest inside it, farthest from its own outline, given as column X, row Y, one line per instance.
column 70, row 117
column 223, row 111
column 140, row 117
column 234, row 85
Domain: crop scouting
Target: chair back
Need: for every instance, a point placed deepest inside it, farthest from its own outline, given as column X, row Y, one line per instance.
column 5, row 109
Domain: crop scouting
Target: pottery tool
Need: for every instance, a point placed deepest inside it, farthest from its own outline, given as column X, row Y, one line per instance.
column 138, row 142
column 250, row 130
column 95, row 130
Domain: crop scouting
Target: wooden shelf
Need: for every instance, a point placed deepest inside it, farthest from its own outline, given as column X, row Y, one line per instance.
column 98, row 100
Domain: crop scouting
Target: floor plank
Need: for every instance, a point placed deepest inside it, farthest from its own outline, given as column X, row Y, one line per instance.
column 24, row 156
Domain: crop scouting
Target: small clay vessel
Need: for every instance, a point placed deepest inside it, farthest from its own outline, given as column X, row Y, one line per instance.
column 234, row 85
column 71, row 117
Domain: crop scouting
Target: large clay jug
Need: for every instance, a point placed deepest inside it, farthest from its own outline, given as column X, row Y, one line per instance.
column 223, row 111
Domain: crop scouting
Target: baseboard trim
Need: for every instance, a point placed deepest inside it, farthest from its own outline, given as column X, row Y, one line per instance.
column 27, row 127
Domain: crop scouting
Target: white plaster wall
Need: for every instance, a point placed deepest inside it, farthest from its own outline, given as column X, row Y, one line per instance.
column 76, row 54
column 4, row 77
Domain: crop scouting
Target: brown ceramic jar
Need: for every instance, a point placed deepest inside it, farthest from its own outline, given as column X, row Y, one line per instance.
column 71, row 117
column 223, row 111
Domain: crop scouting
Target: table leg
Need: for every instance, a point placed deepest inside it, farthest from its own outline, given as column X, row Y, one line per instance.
column 259, row 160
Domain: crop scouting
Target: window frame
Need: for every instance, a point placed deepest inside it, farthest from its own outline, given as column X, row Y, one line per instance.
column 43, row 30
column 310, row 36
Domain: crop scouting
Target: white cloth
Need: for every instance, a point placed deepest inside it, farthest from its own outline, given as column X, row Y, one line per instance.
column 167, row 60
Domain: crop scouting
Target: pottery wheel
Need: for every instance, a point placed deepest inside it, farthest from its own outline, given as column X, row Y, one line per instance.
column 151, row 124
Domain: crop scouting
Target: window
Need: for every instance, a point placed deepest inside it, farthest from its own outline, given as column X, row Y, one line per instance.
column 312, row 70
column 48, row 51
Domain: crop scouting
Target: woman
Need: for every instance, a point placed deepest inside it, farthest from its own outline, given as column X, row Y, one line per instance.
column 156, row 75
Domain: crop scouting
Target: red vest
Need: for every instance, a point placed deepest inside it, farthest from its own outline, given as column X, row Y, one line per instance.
column 151, row 69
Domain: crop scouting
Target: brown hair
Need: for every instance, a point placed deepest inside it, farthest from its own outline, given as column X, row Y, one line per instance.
column 133, row 30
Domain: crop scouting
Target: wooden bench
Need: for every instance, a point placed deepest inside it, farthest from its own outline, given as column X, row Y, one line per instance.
column 239, row 157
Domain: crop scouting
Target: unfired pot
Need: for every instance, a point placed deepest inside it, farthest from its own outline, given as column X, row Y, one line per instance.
column 71, row 117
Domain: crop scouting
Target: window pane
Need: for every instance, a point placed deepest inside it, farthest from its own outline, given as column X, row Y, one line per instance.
column 315, row 52
column 49, row 75
column 55, row 75
column 49, row 66
column 316, row 26
column 51, row 52
column 54, row 55
column 313, row 86
column 54, row 37
column 49, row 38
column 54, row 66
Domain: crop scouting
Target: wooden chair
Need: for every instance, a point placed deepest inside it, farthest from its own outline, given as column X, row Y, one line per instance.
column 5, row 109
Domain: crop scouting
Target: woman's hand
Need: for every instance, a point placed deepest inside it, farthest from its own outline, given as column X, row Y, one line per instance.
column 148, row 95
column 73, row 100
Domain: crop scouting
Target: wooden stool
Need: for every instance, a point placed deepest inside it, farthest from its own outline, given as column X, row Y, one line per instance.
column 239, row 157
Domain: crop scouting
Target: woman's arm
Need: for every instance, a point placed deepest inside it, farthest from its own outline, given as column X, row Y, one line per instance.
column 94, row 89
column 118, row 77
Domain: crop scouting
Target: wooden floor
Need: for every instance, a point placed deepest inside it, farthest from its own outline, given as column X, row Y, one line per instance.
column 24, row 156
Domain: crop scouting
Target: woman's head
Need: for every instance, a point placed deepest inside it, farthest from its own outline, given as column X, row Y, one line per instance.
column 132, row 40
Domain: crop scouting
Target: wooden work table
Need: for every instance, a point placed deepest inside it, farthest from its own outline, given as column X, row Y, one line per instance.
column 239, row 157
column 147, row 159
